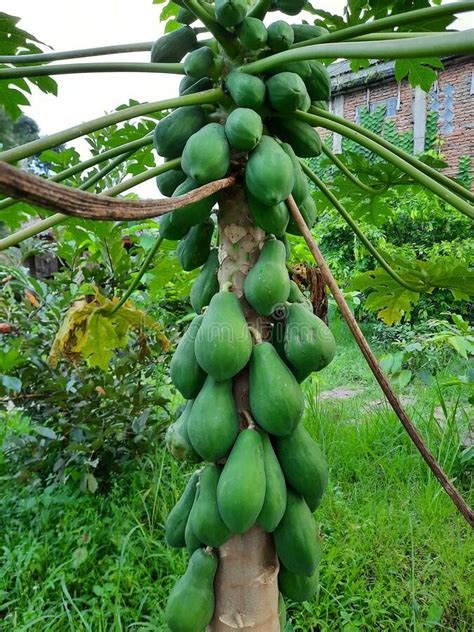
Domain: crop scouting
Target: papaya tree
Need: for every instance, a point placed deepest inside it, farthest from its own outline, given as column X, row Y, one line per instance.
column 236, row 182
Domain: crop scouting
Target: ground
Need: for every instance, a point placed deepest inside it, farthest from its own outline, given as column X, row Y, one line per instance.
column 396, row 552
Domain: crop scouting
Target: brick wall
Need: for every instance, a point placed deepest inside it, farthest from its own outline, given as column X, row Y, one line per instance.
column 452, row 96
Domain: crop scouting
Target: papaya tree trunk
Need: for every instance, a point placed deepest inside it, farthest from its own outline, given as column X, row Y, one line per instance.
column 246, row 586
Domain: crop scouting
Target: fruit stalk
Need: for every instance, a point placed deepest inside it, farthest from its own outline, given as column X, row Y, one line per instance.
column 246, row 586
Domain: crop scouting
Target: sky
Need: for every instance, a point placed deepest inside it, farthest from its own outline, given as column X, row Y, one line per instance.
column 69, row 25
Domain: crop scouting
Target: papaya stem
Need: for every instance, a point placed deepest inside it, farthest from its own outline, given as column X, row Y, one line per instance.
column 90, row 162
column 451, row 184
column 357, row 230
column 461, row 42
column 382, row 380
column 47, row 223
column 347, row 172
column 136, row 281
column 222, row 36
column 226, row 286
column 256, row 335
column 36, row 58
column 405, row 166
column 249, row 419
column 382, row 24
column 260, row 9
column 37, row 146
column 84, row 68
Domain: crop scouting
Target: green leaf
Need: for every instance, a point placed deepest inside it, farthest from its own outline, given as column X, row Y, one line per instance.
column 419, row 71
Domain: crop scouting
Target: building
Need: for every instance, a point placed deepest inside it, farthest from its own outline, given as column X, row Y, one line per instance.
column 452, row 97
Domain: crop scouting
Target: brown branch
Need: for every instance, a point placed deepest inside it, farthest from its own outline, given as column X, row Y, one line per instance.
column 62, row 199
column 434, row 466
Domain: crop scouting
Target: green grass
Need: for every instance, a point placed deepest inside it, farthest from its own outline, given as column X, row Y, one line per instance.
column 396, row 552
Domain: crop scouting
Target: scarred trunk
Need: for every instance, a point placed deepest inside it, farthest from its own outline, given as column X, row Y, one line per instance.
column 246, row 585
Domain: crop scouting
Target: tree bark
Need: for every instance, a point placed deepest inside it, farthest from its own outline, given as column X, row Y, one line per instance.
column 246, row 585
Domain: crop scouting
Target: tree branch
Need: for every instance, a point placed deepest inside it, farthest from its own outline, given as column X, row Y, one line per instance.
column 75, row 54
column 367, row 352
column 72, row 69
column 57, row 197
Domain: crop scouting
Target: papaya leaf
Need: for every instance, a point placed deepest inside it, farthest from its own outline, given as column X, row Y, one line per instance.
column 92, row 332
column 419, row 71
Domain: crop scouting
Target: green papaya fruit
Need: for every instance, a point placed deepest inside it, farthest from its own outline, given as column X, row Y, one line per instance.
column 230, row 12
column 300, row 68
column 253, row 33
column 287, row 93
column 213, row 424
column 193, row 251
column 177, row 438
column 278, row 338
column 168, row 181
column 274, row 504
column 308, row 210
column 296, row 537
column 267, row 285
column 185, row 372
column 185, row 83
column 173, row 46
column 242, row 485
column 176, row 224
column 324, row 105
column 290, row 7
column 205, row 518
column 206, row 155
column 207, row 284
column 272, row 219
column 303, row 465
column 276, row 398
column 309, row 343
column 280, row 36
column 223, row 344
column 303, row 32
column 200, row 63
column 173, row 132
column 284, row 240
column 193, row 543
column 178, row 517
column 318, row 83
column 304, row 139
column 297, row 296
column 244, row 129
column 246, row 90
column 281, row 612
column 190, row 85
column 269, row 173
column 301, row 188
column 191, row 602
column 185, row 16
column 298, row 587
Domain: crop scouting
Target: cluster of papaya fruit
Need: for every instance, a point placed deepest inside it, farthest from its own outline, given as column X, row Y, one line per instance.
column 262, row 467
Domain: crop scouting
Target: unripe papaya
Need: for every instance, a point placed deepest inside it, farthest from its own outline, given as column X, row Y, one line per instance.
column 267, row 285
column 324, row 105
column 303, row 32
column 287, row 93
column 269, row 173
column 298, row 587
column 176, row 224
column 185, row 372
column 193, row 543
column 296, row 537
column 178, row 517
column 297, row 296
column 173, row 132
column 173, row 46
column 272, row 219
column 205, row 518
column 190, row 85
column 193, row 251
column 274, row 504
column 300, row 189
column 290, row 7
column 304, row 139
column 223, row 345
column 276, row 398
column 206, row 155
column 309, row 344
column 300, row 68
column 304, row 465
column 246, row 90
column 213, row 424
column 200, row 63
column 207, row 284
column 307, row 209
column 242, row 485
column 191, row 602
column 177, row 438
column 244, row 129
column 169, row 181
column 318, row 83
column 185, row 16
column 230, row 12
column 253, row 33
column 280, row 36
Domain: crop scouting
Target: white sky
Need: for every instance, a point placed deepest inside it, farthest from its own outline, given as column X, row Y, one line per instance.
column 69, row 25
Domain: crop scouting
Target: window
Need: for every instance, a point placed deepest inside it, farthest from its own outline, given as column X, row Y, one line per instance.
column 390, row 105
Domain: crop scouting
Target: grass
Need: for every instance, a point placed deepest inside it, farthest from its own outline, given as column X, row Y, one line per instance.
column 396, row 553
